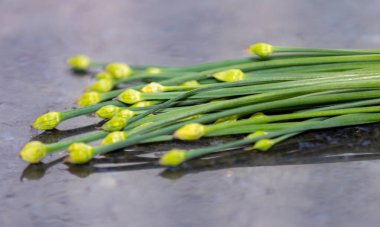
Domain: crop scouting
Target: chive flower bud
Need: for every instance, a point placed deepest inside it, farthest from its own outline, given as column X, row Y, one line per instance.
column 257, row 134
column 114, row 124
column 191, row 131
column 257, row 115
column 119, row 70
column 48, row 121
column 261, row 49
column 153, row 88
column 104, row 75
column 231, row 118
column 33, row 152
column 264, row 144
column 79, row 62
column 108, row 111
column 102, row 85
column 173, row 158
column 115, row 137
column 130, row 96
column 80, row 153
column 144, row 104
column 190, row 83
column 231, row 75
column 153, row 71
column 125, row 113
column 89, row 98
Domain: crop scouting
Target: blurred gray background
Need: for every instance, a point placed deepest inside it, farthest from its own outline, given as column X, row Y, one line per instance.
column 37, row 36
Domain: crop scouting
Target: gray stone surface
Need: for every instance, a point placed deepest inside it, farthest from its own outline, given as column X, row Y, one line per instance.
column 305, row 183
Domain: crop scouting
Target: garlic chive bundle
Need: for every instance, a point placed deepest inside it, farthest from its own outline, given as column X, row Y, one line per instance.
column 309, row 88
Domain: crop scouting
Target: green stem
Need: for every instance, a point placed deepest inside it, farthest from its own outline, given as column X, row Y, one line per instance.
column 174, row 116
column 258, row 66
column 280, row 49
column 345, row 120
column 291, row 116
column 255, row 89
column 152, row 132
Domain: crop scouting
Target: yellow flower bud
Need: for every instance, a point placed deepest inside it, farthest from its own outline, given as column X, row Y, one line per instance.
column 231, row 75
column 257, row 134
column 257, row 115
column 231, row 118
column 33, row 152
column 125, row 113
column 144, row 104
column 48, row 121
column 104, row 75
column 79, row 62
column 114, row 124
column 261, row 49
column 190, row 83
column 264, row 144
column 173, row 158
column 80, row 153
column 102, row 85
column 153, row 88
column 130, row 96
column 89, row 98
column 191, row 131
column 108, row 111
column 153, row 70
column 114, row 137
column 119, row 70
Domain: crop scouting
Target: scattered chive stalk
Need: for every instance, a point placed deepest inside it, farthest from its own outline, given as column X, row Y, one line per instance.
column 185, row 102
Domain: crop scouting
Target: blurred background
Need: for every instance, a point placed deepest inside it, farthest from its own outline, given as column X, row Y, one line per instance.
column 37, row 36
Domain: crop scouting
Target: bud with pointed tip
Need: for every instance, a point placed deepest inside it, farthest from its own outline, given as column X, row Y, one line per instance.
column 108, row 111
column 257, row 134
column 102, row 85
column 257, row 115
column 115, row 137
column 231, row 75
column 130, row 96
column 191, row 131
column 125, row 113
column 79, row 62
column 173, row 158
column 264, row 144
column 119, row 70
column 80, row 153
column 153, row 71
column 104, row 75
column 48, row 121
column 89, row 98
column 153, row 88
column 232, row 118
column 261, row 49
column 114, row 124
column 33, row 152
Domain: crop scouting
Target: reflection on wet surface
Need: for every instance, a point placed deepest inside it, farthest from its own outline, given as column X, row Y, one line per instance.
column 329, row 146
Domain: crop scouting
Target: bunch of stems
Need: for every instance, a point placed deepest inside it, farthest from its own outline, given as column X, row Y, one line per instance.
column 306, row 89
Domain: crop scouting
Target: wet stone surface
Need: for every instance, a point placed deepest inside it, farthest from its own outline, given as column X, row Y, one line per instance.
column 328, row 178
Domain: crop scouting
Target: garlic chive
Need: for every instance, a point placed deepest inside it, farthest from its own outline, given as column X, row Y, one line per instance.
column 79, row 62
